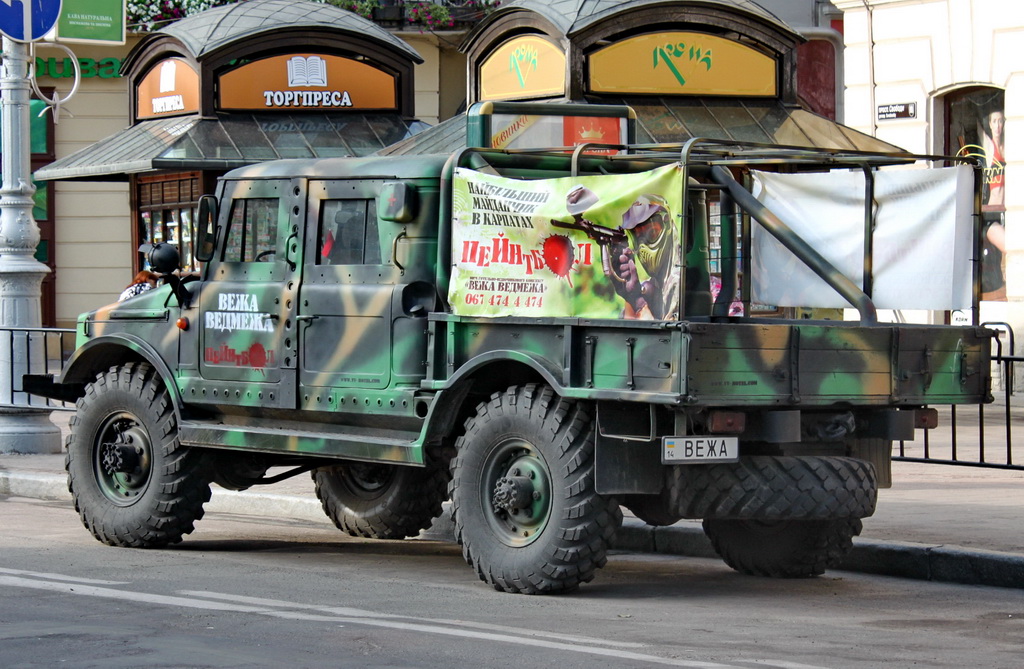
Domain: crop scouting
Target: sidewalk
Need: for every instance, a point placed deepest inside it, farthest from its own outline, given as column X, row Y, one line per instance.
column 945, row 523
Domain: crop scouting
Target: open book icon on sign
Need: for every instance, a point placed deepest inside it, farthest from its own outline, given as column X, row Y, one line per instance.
column 308, row 71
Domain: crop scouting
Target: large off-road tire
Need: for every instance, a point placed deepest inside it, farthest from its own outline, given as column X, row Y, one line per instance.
column 132, row 481
column 783, row 548
column 379, row 501
column 765, row 487
column 526, row 511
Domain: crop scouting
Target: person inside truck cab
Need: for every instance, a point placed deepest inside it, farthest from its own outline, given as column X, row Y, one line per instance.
column 339, row 242
column 652, row 242
column 348, row 235
column 142, row 282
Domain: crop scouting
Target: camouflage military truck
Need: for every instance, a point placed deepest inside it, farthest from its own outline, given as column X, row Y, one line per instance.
column 539, row 336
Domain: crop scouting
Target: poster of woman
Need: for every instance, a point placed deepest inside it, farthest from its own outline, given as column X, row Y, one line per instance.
column 977, row 121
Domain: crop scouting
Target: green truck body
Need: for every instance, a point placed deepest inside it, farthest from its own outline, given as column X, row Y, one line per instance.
column 537, row 428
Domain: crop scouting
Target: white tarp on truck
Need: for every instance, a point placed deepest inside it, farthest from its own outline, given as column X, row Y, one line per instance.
column 922, row 237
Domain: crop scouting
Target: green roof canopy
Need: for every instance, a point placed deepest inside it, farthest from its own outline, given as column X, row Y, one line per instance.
column 226, row 142
column 673, row 120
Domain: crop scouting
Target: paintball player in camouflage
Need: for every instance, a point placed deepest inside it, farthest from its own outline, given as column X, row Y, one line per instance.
column 646, row 234
column 652, row 238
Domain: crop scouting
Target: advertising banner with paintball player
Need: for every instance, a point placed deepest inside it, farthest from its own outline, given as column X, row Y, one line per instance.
column 606, row 246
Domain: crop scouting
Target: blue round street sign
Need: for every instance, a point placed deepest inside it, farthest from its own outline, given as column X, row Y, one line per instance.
column 42, row 17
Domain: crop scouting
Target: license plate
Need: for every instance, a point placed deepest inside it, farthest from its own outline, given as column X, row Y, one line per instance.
column 694, row 449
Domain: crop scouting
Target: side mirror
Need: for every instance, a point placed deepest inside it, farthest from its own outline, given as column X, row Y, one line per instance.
column 206, row 229
column 398, row 202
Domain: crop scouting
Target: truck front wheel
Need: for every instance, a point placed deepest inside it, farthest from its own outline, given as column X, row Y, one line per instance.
column 132, row 481
column 525, row 508
column 379, row 501
column 782, row 548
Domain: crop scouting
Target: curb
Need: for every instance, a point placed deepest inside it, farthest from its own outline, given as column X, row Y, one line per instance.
column 35, row 485
column 941, row 563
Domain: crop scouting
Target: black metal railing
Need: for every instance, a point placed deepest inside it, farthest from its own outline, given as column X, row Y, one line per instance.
column 32, row 351
column 976, row 436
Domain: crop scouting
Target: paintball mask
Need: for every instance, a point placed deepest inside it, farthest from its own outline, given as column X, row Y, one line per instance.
column 649, row 225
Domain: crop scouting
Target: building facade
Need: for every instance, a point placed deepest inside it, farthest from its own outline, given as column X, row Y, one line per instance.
column 947, row 77
column 80, row 222
column 92, row 225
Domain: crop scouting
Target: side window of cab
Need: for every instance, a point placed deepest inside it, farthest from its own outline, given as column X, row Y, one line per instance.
column 252, row 230
column 348, row 233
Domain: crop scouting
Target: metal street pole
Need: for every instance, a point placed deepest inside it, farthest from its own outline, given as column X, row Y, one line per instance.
column 22, row 430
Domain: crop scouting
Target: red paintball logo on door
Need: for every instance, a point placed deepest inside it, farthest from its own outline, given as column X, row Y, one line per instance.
column 257, row 356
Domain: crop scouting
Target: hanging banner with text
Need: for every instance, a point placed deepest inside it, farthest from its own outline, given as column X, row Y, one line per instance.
column 605, row 246
column 92, row 22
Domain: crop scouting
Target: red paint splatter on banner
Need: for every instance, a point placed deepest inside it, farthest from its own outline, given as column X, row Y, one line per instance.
column 559, row 255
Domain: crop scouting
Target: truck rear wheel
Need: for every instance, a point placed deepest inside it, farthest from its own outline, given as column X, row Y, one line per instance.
column 785, row 548
column 379, row 501
column 525, row 508
column 132, row 481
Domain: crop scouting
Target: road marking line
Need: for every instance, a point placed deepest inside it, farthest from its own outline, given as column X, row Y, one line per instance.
column 108, row 593
column 272, row 608
column 260, row 601
column 60, row 577
column 540, row 643
column 195, row 603
column 783, row 664
column 361, row 613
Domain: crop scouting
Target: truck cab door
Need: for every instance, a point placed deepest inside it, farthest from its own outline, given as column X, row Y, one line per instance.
column 346, row 306
column 248, row 303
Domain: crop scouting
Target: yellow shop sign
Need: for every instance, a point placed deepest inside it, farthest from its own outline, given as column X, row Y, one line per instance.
column 682, row 63
column 523, row 67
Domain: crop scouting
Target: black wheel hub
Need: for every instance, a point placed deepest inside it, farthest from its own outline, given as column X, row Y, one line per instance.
column 512, row 493
column 367, row 481
column 516, row 485
column 123, row 458
column 120, row 458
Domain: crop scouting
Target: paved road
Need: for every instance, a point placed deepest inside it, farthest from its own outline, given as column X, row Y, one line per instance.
column 250, row 592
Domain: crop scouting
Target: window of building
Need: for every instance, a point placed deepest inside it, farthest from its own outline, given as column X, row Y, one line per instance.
column 166, row 206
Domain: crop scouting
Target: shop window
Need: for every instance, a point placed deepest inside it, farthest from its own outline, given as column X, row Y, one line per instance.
column 974, row 127
column 348, row 233
column 166, row 206
column 252, row 231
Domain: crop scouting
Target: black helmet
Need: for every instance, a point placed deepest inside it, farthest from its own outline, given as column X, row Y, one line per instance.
column 163, row 258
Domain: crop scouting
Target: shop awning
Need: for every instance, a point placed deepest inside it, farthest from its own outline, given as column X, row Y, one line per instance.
column 674, row 120
column 767, row 121
column 193, row 143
